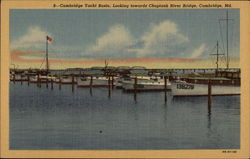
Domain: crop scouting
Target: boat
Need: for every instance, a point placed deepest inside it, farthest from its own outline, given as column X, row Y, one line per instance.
column 18, row 77
column 153, row 84
column 41, row 78
column 65, row 79
column 96, row 81
column 222, row 82
column 120, row 80
column 183, row 88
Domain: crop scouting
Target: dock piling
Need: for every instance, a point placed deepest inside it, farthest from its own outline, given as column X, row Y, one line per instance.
column 21, row 80
column 91, row 81
column 73, row 82
column 28, row 82
column 60, row 83
column 165, row 89
column 51, row 84
column 135, row 89
column 47, row 85
column 14, row 78
column 90, row 84
column 112, row 82
column 209, row 95
column 109, row 85
column 38, row 81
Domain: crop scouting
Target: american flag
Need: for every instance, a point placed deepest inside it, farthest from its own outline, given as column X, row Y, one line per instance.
column 49, row 39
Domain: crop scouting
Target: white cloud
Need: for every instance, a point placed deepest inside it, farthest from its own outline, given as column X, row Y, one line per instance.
column 114, row 43
column 198, row 51
column 34, row 38
column 161, row 39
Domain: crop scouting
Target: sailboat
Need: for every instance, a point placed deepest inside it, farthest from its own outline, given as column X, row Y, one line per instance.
column 224, row 82
column 42, row 75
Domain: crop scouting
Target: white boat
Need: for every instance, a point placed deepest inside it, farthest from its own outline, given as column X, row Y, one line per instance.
column 222, row 82
column 182, row 88
column 18, row 77
column 146, row 85
column 120, row 80
column 66, row 80
column 34, row 79
column 95, row 81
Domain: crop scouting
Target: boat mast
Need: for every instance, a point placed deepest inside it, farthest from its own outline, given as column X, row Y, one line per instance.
column 47, row 56
column 227, row 42
column 217, row 56
column 227, row 20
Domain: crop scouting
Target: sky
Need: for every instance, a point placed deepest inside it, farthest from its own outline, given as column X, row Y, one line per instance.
column 124, row 34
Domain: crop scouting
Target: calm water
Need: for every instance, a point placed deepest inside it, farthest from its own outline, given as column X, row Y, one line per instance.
column 41, row 118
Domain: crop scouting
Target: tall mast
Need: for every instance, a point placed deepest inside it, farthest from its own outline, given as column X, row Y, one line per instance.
column 227, row 42
column 217, row 56
column 47, row 56
column 227, row 20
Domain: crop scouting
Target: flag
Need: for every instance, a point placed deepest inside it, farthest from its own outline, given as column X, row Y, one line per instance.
column 49, row 39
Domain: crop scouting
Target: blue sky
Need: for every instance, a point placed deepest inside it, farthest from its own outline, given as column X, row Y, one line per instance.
column 99, row 34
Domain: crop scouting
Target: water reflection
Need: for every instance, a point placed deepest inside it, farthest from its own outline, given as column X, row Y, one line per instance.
column 76, row 119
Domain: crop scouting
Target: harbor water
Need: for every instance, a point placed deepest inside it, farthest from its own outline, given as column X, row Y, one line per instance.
column 45, row 119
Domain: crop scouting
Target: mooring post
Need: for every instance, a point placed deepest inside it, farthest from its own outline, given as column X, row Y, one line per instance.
column 28, row 82
column 108, row 81
column 209, row 95
column 38, row 81
column 112, row 82
column 165, row 89
column 73, row 82
column 135, row 89
column 51, row 83
column 14, row 78
column 60, row 83
column 109, row 85
column 47, row 85
column 21, row 80
column 91, row 83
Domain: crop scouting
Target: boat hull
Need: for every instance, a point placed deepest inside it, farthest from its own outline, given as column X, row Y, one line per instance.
column 190, row 89
column 96, row 82
column 145, row 86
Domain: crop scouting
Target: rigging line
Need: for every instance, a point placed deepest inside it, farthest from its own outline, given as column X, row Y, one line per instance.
column 213, row 50
column 42, row 63
column 220, row 48
column 221, row 36
column 60, row 60
column 232, row 41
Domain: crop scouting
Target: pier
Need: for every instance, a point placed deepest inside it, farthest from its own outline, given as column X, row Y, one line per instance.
column 109, row 79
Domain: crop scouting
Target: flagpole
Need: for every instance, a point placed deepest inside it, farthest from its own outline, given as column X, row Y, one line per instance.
column 47, row 56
